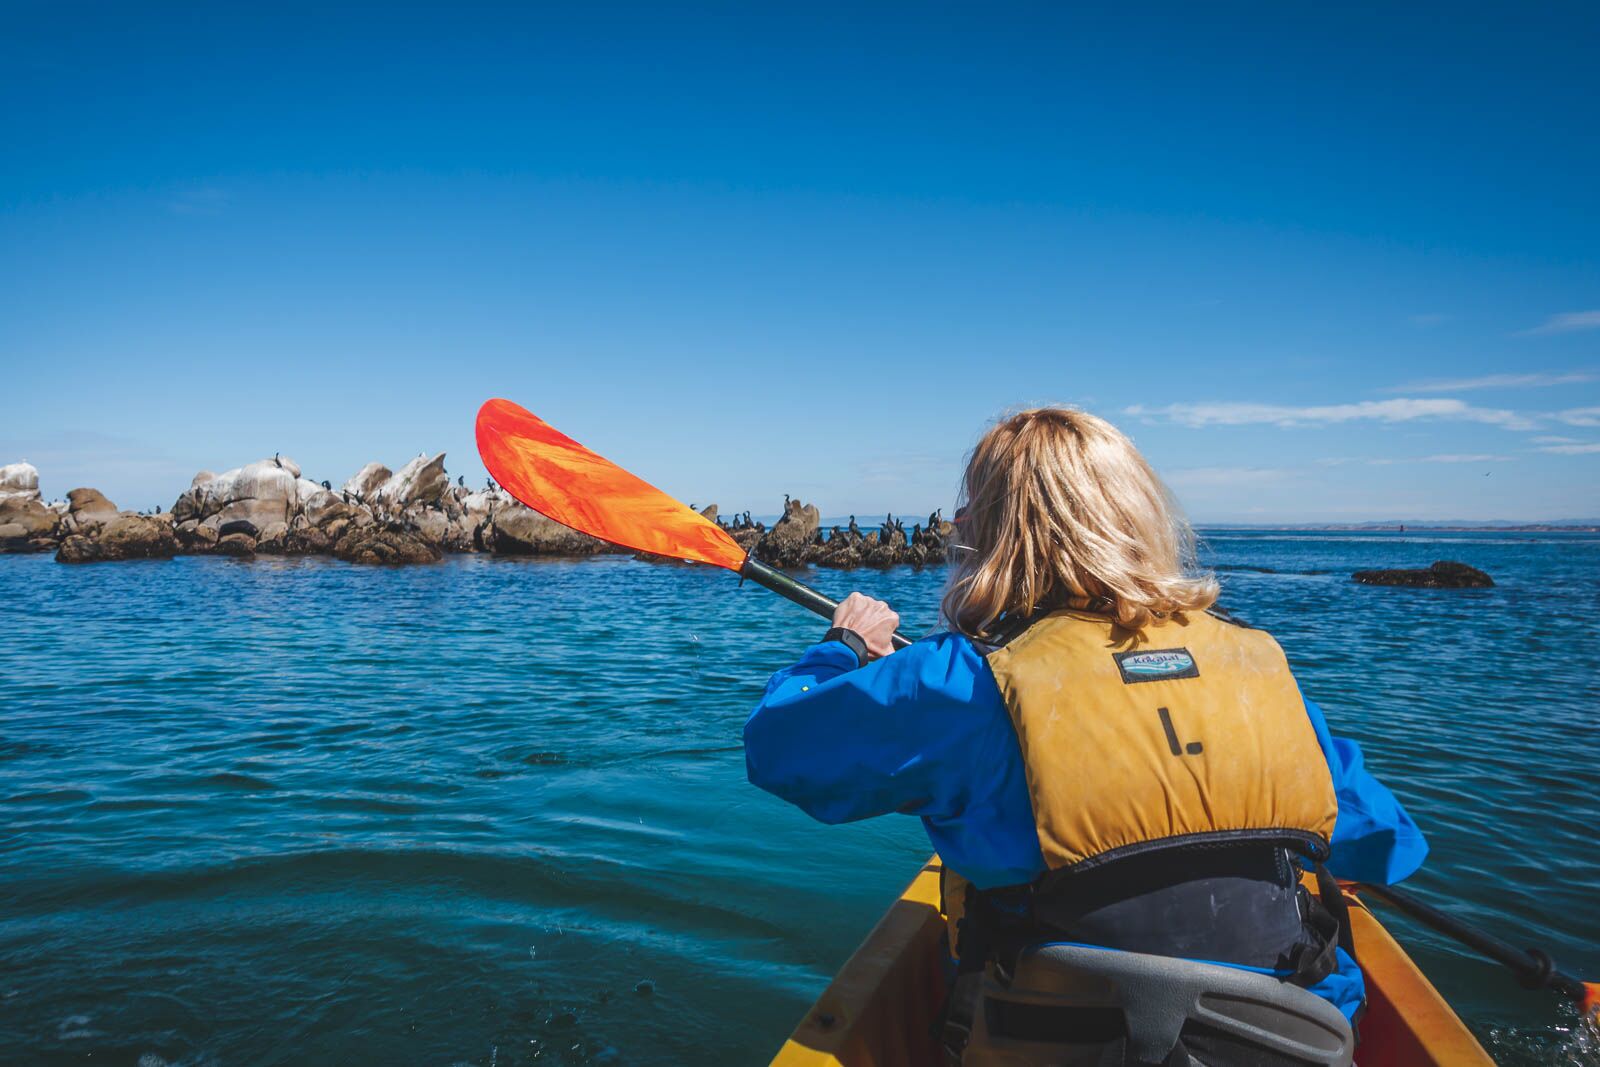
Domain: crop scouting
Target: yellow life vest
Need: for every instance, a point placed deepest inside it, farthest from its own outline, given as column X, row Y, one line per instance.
column 1188, row 736
column 1190, row 730
column 1193, row 727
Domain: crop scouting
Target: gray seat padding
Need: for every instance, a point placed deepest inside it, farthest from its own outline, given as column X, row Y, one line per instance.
column 1074, row 1006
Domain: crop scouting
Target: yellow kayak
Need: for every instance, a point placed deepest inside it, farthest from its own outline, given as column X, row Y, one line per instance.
column 879, row 1010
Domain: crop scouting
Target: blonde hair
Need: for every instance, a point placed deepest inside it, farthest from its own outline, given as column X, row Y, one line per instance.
column 1060, row 506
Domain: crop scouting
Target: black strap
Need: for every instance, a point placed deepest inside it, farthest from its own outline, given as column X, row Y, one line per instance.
column 1310, row 964
column 976, row 945
column 851, row 640
column 1333, row 899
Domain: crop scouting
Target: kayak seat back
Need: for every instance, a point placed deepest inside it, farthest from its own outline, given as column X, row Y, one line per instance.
column 1074, row 1006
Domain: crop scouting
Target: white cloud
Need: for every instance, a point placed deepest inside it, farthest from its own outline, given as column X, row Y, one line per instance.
column 1443, row 457
column 1494, row 381
column 1587, row 449
column 1209, row 477
column 1400, row 409
column 1554, row 440
column 1566, row 322
column 1580, row 416
column 1464, row 457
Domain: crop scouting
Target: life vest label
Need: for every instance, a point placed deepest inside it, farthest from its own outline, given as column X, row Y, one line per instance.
column 1156, row 665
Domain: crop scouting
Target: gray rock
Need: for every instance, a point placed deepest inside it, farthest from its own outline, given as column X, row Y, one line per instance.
column 428, row 524
column 422, row 481
column 1444, row 574
column 366, row 481
column 840, row 552
column 128, row 536
column 19, row 481
column 237, row 545
column 477, row 514
column 789, row 542
column 259, row 493
column 521, row 531
column 373, row 544
column 321, row 507
column 309, row 541
column 37, row 520
column 747, row 538
column 87, row 509
column 195, row 537
column 273, row 540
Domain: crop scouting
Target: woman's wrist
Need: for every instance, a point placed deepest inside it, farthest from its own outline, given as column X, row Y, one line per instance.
column 851, row 640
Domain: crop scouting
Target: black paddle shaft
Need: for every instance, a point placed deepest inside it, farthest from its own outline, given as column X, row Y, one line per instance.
column 1533, row 967
column 799, row 592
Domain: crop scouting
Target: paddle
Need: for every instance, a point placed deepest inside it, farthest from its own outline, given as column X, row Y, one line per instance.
column 559, row 478
column 1533, row 967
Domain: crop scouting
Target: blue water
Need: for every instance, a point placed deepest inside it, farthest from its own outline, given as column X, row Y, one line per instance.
column 494, row 811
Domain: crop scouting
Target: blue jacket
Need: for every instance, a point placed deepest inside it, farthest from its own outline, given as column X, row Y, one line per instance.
column 924, row 732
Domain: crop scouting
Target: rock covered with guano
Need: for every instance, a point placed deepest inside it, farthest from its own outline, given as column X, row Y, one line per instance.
column 379, row 515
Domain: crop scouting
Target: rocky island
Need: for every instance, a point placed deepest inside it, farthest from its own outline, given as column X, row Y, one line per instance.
column 412, row 515
column 1444, row 574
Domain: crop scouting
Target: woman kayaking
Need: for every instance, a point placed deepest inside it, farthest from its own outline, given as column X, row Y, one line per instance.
column 1101, row 757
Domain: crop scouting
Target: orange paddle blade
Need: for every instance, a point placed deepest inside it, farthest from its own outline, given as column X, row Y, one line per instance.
column 1591, row 1002
column 556, row 476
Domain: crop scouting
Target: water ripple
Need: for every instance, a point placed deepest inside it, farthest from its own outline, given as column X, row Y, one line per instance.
column 299, row 811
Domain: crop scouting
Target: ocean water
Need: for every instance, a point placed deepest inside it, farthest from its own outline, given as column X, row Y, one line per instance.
column 494, row 812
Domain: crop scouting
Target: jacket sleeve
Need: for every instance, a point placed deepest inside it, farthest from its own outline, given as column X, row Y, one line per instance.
column 844, row 742
column 1374, row 840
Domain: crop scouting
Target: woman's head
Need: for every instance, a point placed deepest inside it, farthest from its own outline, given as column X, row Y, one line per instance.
column 1060, row 505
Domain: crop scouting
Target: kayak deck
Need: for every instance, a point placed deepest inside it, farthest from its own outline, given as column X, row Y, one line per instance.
column 879, row 1009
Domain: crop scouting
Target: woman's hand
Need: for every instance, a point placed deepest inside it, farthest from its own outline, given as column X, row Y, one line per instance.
column 874, row 620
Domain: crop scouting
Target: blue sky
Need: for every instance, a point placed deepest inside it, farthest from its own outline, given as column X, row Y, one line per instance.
column 1322, row 264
